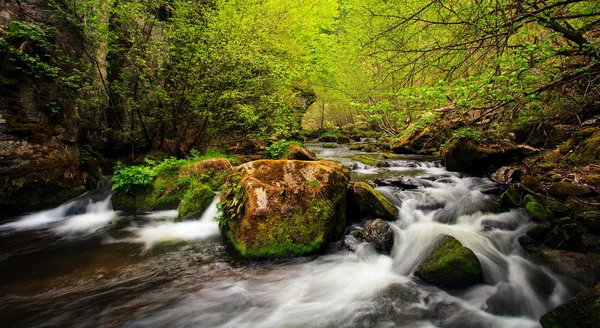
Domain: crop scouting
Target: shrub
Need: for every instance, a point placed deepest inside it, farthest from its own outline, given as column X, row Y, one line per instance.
column 281, row 148
column 128, row 179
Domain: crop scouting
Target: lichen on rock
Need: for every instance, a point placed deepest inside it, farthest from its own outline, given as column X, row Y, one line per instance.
column 274, row 208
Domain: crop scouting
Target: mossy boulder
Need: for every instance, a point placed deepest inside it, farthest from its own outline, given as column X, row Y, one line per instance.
column 587, row 150
column 193, row 181
column 367, row 148
column 568, row 189
column 385, row 156
column 530, row 182
column 593, row 180
column 301, row 154
column 280, row 208
column 511, row 198
column 372, row 203
column 212, row 172
column 450, row 265
column 419, row 141
column 466, row 155
column 365, row 159
column 165, row 193
column 195, row 202
column 581, row 311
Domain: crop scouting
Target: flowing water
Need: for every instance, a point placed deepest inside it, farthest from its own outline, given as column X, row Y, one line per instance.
column 84, row 265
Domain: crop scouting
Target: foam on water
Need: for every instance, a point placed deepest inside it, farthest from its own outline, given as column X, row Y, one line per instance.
column 154, row 233
column 79, row 216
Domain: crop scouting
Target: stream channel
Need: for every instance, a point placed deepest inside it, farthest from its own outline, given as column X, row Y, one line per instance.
column 89, row 266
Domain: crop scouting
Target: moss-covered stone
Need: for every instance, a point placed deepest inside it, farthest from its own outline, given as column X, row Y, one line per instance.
column 420, row 141
column 451, row 265
column 581, row 311
column 169, row 187
column 466, row 155
column 511, row 198
column 568, row 189
column 530, row 182
column 299, row 153
column 372, row 203
column 284, row 208
column 365, row 159
column 386, row 156
column 588, row 149
column 593, row 180
column 195, row 202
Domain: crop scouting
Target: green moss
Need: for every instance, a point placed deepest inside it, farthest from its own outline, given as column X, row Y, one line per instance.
column 365, row 159
column 511, row 198
column 195, row 201
column 530, row 182
column 373, row 203
column 538, row 212
column 593, row 179
column 587, row 151
column 451, row 265
column 385, row 156
column 581, row 311
column 316, row 216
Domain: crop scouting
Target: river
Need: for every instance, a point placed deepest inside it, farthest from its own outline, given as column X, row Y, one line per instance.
column 89, row 266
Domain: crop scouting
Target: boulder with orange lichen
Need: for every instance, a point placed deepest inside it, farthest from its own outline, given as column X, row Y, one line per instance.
column 275, row 208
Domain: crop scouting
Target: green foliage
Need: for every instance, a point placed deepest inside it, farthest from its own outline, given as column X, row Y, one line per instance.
column 331, row 134
column 129, row 179
column 280, row 149
column 469, row 133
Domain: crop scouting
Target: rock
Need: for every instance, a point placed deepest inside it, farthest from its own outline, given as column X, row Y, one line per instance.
column 344, row 140
column 586, row 152
column 591, row 242
column 398, row 182
column 507, row 174
column 537, row 211
column 511, row 198
column 545, row 209
column 590, row 220
column 367, row 148
column 466, row 155
column 451, row 265
column 565, row 234
column 365, row 159
column 581, row 267
column 581, row 311
column 379, row 234
column 495, row 224
column 530, row 182
column 39, row 118
column 539, row 232
column 192, row 183
column 568, row 189
column 372, row 203
column 351, row 242
column 423, row 141
column 386, row 156
column 195, row 202
column 299, row 153
column 593, row 180
column 284, row 208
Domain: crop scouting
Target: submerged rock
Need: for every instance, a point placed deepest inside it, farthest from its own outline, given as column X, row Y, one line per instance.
column 284, row 208
column 450, row 265
column 372, row 203
column 581, row 311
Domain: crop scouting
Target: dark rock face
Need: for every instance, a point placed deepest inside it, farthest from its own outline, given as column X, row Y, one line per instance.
column 581, row 311
column 466, row 155
column 582, row 267
column 451, row 265
column 39, row 159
